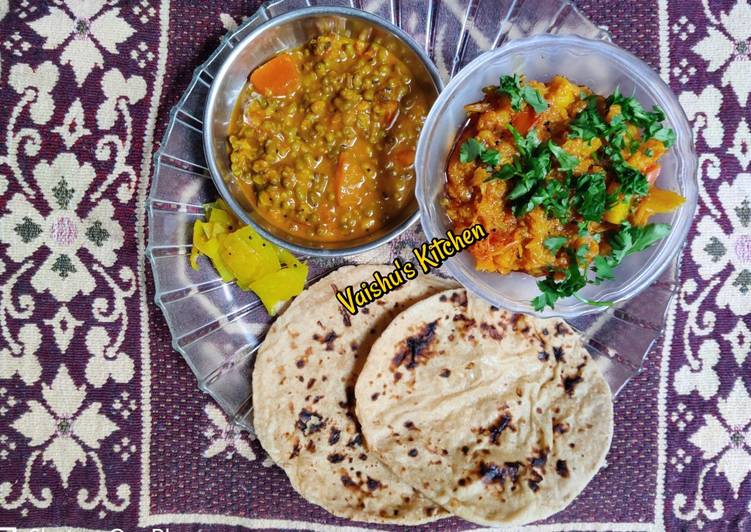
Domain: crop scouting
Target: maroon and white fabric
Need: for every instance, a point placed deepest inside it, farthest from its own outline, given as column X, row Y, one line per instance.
column 101, row 423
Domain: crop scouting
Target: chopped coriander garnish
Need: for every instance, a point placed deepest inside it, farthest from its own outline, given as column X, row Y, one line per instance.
column 554, row 243
column 534, row 98
column 532, row 167
column 663, row 134
column 590, row 198
column 512, row 87
column 629, row 239
column 582, row 251
column 507, row 171
column 603, row 270
column 491, row 157
column 537, row 169
column 566, row 161
column 525, row 145
column 470, row 150
column 556, row 200
column 588, row 124
column 552, row 290
column 632, row 181
column 650, row 121
column 633, row 239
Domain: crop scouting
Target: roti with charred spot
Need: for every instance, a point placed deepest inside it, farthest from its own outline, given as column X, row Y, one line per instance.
column 303, row 398
column 501, row 418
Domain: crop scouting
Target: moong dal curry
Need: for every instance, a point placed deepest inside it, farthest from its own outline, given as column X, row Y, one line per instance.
column 322, row 141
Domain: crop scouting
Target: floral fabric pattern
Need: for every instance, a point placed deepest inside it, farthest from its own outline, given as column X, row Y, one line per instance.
column 708, row 403
column 81, row 31
column 101, row 422
column 67, row 274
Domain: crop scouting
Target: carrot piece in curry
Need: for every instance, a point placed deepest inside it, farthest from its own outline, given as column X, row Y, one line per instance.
column 278, row 76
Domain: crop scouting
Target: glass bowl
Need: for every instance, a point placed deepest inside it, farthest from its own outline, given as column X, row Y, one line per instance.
column 603, row 67
column 284, row 32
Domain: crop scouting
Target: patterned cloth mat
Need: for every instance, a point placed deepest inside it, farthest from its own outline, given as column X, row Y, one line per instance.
column 101, row 423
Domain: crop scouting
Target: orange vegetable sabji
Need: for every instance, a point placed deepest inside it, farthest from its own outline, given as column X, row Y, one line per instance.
column 542, row 240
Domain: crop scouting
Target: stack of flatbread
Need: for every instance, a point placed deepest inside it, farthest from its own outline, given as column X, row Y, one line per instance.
column 428, row 402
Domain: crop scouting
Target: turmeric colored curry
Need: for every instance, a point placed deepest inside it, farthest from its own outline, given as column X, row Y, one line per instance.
column 323, row 138
column 561, row 178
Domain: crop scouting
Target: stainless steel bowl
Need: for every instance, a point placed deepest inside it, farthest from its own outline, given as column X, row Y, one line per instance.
column 281, row 33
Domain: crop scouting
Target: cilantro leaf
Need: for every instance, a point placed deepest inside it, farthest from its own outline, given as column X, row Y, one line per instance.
column 583, row 228
column 545, row 299
column 630, row 107
column 650, row 121
column 507, row 171
column 525, row 145
column 512, row 87
column 582, row 251
column 632, row 181
column 491, row 157
column 532, row 168
column 554, row 243
column 523, row 186
column 590, row 198
column 537, row 168
column 533, row 97
column 553, row 290
column 644, row 237
column 663, row 134
column 603, row 269
column 588, row 124
column 629, row 239
column 527, row 203
column 556, row 200
column 470, row 150
column 574, row 280
column 566, row 161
